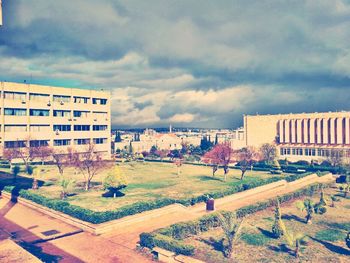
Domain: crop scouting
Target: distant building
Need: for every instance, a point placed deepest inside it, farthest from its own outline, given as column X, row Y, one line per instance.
column 305, row 136
column 54, row 116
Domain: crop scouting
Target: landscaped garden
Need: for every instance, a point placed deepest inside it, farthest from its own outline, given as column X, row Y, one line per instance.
column 254, row 237
column 146, row 181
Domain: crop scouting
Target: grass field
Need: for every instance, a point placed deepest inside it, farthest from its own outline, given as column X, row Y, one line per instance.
column 146, row 181
column 326, row 237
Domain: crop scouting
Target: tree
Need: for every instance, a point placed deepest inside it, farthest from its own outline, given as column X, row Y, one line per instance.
column 345, row 188
column 62, row 160
column 231, row 227
column 336, row 157
column 118, row 138
column 178, row 162
column 153, row 150
column 296, row 240
column 89, row 163
column 278, row 227
column 66, row 186
column 162, row 154
column 220, row 155
column 347, row 240
column 308, row 206
column 15, row 171
column 206, row 144
column 10, row 154
column 268, row 153
column 114, row 181
column 246, row 157
column 43, row 153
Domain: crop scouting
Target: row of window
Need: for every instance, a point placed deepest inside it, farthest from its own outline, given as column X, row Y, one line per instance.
column 309, row 151
column 63, row 142
column 320, row 131
column 38, row 128
column 56, row 98
column 56, row 113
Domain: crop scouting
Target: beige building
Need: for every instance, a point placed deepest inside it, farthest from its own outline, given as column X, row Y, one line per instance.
column 55, row 116
column 305, row 136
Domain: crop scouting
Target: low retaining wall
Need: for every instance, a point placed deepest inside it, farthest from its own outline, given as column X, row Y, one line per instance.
column 98, row 229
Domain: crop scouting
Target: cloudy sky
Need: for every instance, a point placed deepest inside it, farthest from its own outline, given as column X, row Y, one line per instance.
column 189, row 63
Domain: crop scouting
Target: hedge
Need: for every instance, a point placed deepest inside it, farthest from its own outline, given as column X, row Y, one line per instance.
column 170, row 238
column 135, row 208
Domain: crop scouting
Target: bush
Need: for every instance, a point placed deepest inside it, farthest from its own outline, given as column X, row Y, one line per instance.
column 151, row 240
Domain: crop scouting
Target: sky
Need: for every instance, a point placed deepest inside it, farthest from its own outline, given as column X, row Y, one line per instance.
column 189, row 63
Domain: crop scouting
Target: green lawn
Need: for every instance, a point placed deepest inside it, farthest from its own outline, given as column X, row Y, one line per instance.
column 326, row 236
column 146, row 181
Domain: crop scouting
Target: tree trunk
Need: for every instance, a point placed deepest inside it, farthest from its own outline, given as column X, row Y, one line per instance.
column 296, row 252
column 87, row 185
column 243, row 172
column 215, row 168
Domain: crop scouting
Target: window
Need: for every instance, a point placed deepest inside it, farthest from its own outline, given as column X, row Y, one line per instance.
column 16, row 112
column 84, row 100
column 99, row 127
column 39, row 128
column 15, row 95
column 15, row 144
column 81, row 141
column 82, row 127
column 100, row 140
column 61, row 113
column 61, row 98
column 15, row 128
column 64, row 142
column 99, row 115
column 62, row 128
column 99, row 101
column 37, row 112
column 39, row 143
column 80, row 114
column 39, row 97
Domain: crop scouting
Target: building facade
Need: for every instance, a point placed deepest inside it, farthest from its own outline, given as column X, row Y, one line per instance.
column 305, row 136
column 54, row 116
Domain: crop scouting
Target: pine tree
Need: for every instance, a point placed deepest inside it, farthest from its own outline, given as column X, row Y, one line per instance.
column 278, row 228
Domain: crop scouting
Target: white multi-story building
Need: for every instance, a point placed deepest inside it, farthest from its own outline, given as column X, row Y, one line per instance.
column 304, row 136
column 59, row 117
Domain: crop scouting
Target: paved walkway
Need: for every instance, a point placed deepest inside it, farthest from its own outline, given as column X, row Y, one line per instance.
column 25, row 226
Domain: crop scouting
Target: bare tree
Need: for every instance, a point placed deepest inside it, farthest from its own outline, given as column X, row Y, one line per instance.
column 61, row 160
column 43, row 153
column 246, row 158
column 336, row 157
column 268, row 152
column 89, row 163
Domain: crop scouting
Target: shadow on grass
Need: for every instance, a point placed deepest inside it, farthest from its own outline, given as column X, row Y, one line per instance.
column 266, row 233
column 218, row 245
column 293, row 217
column 334, row 248
column 339, row 226
column 209, row 178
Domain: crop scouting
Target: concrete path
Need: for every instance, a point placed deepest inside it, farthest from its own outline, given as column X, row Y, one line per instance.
column 26, row 227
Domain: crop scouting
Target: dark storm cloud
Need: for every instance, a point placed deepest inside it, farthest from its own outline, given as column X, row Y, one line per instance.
column 191, row 63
